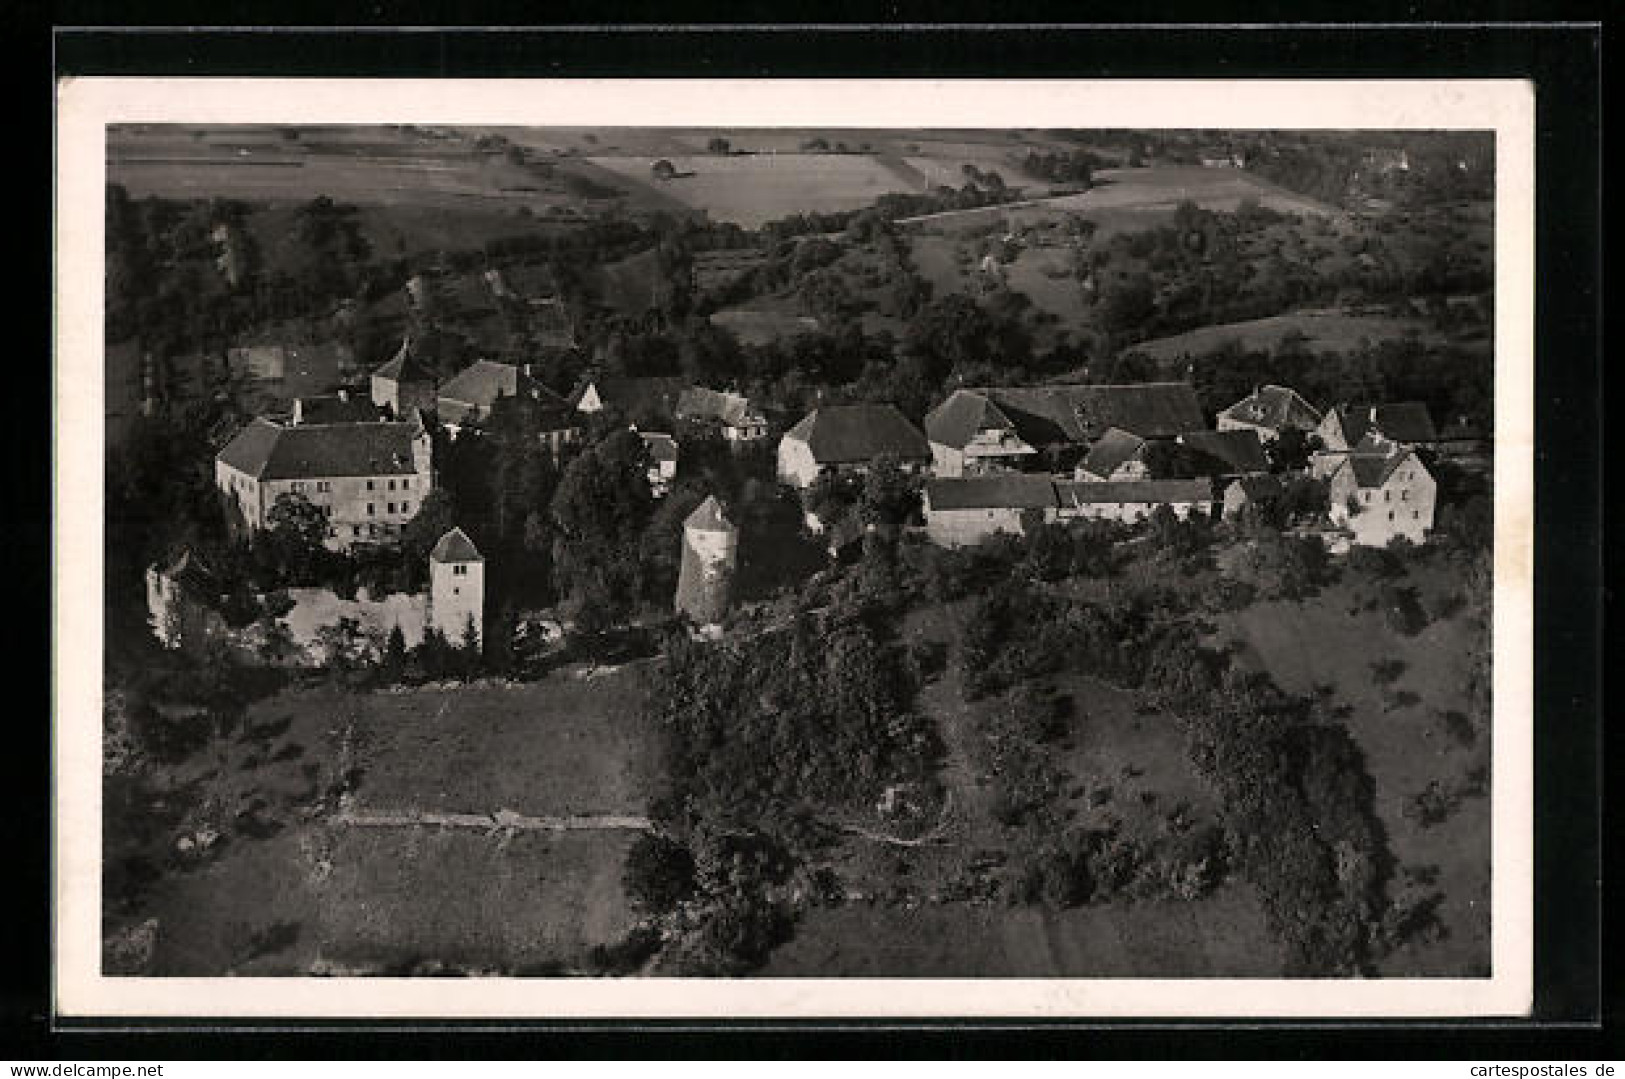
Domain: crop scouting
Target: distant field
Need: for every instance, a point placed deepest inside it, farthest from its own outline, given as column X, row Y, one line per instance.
column 1320, row 643
column 750, row 189
column 755, row 325
column 1327, row 331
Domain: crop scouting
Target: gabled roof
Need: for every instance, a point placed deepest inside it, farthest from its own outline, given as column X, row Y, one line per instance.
column 1114, row 448
column 699, row 403
column 841, row 434
column 188, row 570
column 455, row 546
column 658, row 394
column 1076, row 413
column 965, row 412
column 1259, row 486
column 1404, row 421
column 270, row 451
column 1084, row 493
column 483, row 381
column 1373, row 469
column 1012, row 490
column 708, row 517
column 332, row 408
column 1274, row 407
column 405, row 366
column 1235, row 451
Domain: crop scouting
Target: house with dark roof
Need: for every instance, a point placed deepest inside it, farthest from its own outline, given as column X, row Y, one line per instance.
column 368, row 478
column 966, row 510
column 731, row 413
column 1380, row 490
column 1131, row 500
column 662, row 451
column 845, row 438
column 1406, row 422
column 1269, row 410
column 467, row 398
column 1237, row 452
column 1116, row 455
column 978, row 429
column 638, row 400
column 404, row 382
column 1258, row 489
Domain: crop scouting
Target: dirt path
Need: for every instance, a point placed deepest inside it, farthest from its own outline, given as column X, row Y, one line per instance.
column 501, row 820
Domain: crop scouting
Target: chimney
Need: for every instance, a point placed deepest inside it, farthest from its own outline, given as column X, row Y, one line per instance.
column 298, row 412
column 1372, row 415
column 344, row 395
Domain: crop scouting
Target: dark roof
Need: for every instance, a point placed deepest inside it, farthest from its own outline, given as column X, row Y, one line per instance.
column 1082, row 493
column 1259, row 486
column 1373, row 469
column 480, row 383
column 1114, row 447
column 839, row 434
column 331, row 408
column 270, row 451
column 1077, row 413
column 656, row 394
column 1013, row 490
column 405, row 366
column 455, row 546
column 956, row 420
column 1234, row 451
column 1404, row 421
column 188, row 570
column 699, row 403
column 1272, row 407
column 707, row 517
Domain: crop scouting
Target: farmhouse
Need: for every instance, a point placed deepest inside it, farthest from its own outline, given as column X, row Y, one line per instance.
column 1117, row 455
column 404, row 382
column 466, row 401
column 1269, row 411
column 842, row 438
column 730, row 413
column 368, row 478
column 1132, row 500
column 980, row 429
column 639, row 400
column 1381, row 490
column 968, row 510
column 1406, row 423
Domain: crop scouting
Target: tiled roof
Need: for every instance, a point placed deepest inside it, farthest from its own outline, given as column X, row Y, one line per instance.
column 1114, row 447
column 707, row 517
column 1012, row 490
column 841, row 434
column 1404, row 421
column 1373, row 469
column 480, row 383
column 1235, row 451
column 331, row 408
column 1155, row 491
column 455, row 546
column 1045, row 415
column 956, row 421
column 699, row 403
column 1272, row 407
column 270, row 451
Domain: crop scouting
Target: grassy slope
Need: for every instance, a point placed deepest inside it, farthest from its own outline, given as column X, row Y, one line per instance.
column 1320, row 643
column 377, row 895
column 1327, row 331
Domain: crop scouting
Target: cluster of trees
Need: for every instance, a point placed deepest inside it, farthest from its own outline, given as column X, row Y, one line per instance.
column 1073, row 167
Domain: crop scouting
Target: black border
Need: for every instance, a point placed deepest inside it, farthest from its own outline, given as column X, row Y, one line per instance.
column 1564, row 61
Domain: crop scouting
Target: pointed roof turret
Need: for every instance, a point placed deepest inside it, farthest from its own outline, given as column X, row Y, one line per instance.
column 455, row 546
column 405, row 366
column 708, row 517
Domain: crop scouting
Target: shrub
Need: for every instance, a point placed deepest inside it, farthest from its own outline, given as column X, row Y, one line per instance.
column 659, row 872
column 1433, row 805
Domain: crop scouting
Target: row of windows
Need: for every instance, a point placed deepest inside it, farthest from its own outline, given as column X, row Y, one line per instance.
column 389, row 507
column 324, row 486
column 1388, row 496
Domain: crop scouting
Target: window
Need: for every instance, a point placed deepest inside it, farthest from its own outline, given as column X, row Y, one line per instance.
column 369, row 509
column 1390, row 515
column 1416, row 515
column 298, row 486
column 459, row 570
column 1388, row 496
column 1367, row 496
column 323, row 486
column 406, row 507
column 356, row 529
column 456, row 591
column 369, row 485
column 406, row 484
column 391, row 485
column 389, row 507
column 1404, row 496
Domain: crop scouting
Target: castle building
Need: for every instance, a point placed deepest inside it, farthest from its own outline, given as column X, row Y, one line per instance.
column 710, row 555
column 368, row 478
column 457, row 587
column 404, row 383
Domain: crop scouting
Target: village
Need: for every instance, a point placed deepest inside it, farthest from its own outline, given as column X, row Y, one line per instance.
column 1006, row 579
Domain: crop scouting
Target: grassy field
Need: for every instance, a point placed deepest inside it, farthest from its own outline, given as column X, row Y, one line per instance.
column 1326, row 331
column 750, row 189
column 371, row 897
column 1406, row 744
column 764, row 320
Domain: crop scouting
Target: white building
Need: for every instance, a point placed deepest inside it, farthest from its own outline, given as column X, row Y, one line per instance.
column 457, row 587
column 848, row 438
column 1380, row 491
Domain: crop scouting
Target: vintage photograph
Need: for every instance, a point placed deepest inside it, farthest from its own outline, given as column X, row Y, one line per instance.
column 636, row 552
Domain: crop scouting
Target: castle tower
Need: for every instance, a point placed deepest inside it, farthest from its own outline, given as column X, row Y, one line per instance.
column 456, row 586
column 710, row 552
column 404, row 383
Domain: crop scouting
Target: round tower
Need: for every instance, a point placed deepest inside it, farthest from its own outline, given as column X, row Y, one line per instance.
column 457, row 587
column 710, row 554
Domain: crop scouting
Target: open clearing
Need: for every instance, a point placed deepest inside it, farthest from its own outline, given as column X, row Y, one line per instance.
column 370, row 898
column 1406, row 746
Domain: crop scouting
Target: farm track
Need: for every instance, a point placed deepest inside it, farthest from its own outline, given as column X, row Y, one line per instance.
column 501, row 820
